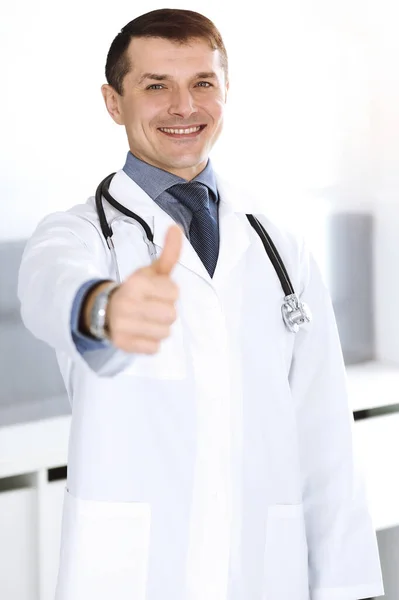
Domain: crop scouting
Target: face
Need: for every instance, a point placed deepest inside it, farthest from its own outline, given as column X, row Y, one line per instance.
column 172, row 104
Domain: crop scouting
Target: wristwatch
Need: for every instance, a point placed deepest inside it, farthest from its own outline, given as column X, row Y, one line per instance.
column 97, row 324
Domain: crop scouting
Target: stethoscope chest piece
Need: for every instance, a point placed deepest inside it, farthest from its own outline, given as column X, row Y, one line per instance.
column 295, row 313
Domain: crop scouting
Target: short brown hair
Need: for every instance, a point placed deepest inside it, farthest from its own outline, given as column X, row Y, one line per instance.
column 168, row 23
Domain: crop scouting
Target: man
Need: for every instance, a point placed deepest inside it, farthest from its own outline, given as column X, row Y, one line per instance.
column 210, row 452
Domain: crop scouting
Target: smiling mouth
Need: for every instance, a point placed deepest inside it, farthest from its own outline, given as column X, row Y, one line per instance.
column 182, row 132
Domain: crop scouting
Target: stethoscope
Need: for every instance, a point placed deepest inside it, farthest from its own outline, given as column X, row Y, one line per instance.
column 294, row 312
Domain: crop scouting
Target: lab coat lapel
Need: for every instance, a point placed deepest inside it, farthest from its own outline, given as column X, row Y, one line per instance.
column 188, row 256
column 233, row 234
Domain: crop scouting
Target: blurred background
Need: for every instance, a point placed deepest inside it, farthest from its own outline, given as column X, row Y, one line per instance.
column 313, row 116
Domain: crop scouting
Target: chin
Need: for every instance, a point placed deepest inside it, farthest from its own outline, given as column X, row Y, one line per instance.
column 187, row 162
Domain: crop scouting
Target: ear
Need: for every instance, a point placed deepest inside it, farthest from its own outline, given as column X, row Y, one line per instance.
column 226, row 90
column 112, row 102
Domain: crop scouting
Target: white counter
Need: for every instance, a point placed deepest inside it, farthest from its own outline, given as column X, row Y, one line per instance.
column 372, row 385
column 34, row 435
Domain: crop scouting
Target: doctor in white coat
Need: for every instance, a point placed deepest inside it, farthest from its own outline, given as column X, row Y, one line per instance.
column 211, row 453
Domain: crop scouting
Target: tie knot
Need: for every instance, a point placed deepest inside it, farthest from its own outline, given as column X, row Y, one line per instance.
column 192, row 194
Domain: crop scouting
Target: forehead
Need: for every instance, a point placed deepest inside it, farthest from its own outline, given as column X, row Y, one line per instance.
column 158, row 55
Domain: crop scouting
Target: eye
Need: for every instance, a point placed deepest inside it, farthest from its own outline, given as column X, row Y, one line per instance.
column 155, row 86
column 204, row 84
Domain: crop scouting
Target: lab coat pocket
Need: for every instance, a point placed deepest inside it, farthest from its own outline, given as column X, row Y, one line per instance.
column 168, row 363
column 104, row 550
column 286, row 554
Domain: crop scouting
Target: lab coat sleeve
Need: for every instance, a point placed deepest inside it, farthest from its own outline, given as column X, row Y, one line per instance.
column 343, row 553
column 64, row 252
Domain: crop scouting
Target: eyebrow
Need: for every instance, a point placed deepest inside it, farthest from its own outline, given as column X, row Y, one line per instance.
column 164, row 77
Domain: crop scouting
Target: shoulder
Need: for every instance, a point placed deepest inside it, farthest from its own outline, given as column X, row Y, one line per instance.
column 79, row 223
column 84, row 212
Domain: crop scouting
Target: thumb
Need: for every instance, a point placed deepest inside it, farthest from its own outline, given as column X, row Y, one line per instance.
column 171, row 251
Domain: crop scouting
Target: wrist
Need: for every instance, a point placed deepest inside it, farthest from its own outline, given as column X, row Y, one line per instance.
column 93, row 313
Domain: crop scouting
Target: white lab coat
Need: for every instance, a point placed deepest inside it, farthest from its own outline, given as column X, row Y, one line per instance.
column 221, row 468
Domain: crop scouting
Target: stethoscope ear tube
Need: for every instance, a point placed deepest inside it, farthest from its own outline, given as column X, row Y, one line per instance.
column 103, row 190
column 294, row 312
column 273, row 255
column 103, row 186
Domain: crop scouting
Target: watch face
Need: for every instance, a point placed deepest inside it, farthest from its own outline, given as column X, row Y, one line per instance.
column 97, row 320
column 98, row 314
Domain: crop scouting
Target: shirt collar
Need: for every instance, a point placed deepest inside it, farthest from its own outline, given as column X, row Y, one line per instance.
column 155, row 181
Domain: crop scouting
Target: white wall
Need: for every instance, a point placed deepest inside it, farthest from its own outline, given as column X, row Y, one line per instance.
column 297, row 117
column 384, row 60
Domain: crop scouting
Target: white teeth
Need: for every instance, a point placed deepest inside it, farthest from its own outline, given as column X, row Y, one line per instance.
column 181, row 131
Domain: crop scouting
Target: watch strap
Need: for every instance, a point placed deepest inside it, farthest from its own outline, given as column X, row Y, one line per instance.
column 98, row 313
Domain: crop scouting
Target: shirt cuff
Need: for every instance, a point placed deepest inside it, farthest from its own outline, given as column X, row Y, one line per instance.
column 83, row 342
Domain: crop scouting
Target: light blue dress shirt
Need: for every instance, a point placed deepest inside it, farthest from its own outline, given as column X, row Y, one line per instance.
column 154, row 182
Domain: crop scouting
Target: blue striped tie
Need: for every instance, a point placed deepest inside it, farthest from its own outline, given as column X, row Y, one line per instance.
column 204, row 234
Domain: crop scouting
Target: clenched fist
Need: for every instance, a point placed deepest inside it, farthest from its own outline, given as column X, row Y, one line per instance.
column 142, row 309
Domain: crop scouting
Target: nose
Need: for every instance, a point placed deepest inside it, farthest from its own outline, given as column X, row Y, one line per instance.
column 182, row 103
